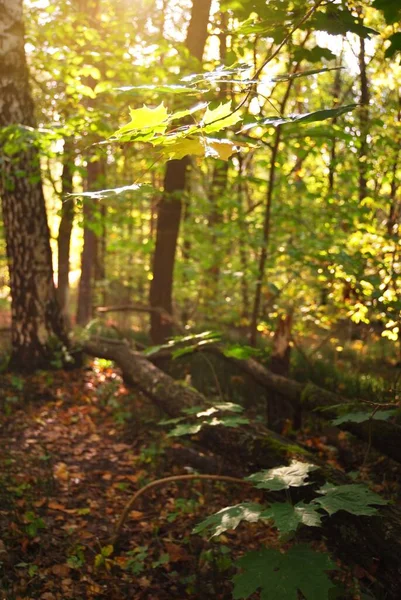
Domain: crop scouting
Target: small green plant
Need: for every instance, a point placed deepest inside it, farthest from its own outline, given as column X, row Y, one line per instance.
column 102, row 558
column 30, row 567
column 136, row 561
column 163, row 559
column 197, row 417
column 76, row 559
column 150, row 453
column 17, row 383
column 300, row 569
column 34, row 523
column 219, row 557
column 183, row 506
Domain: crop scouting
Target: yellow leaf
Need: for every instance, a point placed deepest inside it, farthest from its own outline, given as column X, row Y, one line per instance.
column 99, row 561
column 219, row 118
column 222, row 148
column 152, row 120
column 61, row 472
column 107, row 550
column 183, row 147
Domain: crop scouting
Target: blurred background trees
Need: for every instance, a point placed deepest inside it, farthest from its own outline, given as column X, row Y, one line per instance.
column 303, row 220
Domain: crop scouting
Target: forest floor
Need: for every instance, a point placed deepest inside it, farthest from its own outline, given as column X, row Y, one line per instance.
column 74, row 447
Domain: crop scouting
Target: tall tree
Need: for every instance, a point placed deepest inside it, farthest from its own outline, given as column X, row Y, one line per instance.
column 363, row 119
column 37, row 324
column 170, row 206
column 65, row 227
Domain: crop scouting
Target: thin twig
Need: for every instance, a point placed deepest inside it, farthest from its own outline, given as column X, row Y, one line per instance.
column 165, row 480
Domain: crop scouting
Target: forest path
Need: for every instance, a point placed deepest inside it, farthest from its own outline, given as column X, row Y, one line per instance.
column 74, row 447
column 66, row 474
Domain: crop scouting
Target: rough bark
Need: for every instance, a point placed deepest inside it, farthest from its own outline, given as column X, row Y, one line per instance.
column 37, row 325
column 168, row 223
column 373, row 543
column 65, row 227
column 170, row 205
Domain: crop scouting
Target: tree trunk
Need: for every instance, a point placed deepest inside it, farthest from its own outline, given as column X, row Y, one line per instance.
column 333, row 149
column 170, row 205
column 88, row 258
column 373, row 543
column 363, row 121
column 264, row 252
column 218, row 185
column 37, row 324
column 65, row 227
column 394, row 211
column 278, row 413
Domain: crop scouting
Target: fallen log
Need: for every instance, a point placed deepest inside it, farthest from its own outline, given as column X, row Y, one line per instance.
column 385, row 436
column 373, row 543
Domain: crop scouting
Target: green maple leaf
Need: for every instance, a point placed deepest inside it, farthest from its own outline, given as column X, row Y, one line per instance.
column 282, row 576
column 283, row 478
column 287, row 518
column 354, row 498
column 230, row 517
column 185, row 429
column 361, row 416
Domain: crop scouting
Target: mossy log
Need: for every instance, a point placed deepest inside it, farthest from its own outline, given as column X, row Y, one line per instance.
column 372, row 543
column 385, row 436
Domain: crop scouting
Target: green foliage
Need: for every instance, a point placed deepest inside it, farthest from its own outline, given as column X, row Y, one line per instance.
column 319, row 115
column 390, row 9
column 229, row 518
column 339, row 21
column 361, row 417
column 34, row 523
column 395, row 45
column 353, row 498
column 282, row 478
column 239, row 352
column 282, row 576
column 208, row 417
column 102, row 558
column 136, row 561
column 198, row 339
column 287, row 518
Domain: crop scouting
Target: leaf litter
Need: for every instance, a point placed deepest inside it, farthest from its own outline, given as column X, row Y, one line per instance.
column 73, row 450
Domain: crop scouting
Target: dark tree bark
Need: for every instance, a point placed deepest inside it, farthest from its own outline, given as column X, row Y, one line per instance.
column 277, row 410
column 333, row 150
column 168, row 223
column 394, row 212
column 37, row 324
column 219, row 183
column 170, row 205
column 363, row 121
column 95, row 177
column 65, row 227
